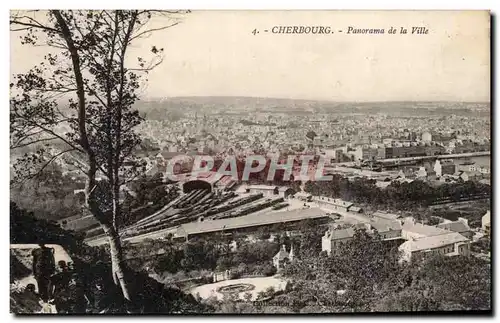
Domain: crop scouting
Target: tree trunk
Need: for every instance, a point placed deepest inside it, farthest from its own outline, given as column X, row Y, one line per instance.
column 116, row 206
column 117, row 260
column 110, row 230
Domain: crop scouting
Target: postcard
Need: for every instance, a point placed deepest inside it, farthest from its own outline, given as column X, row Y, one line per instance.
column 179, row 162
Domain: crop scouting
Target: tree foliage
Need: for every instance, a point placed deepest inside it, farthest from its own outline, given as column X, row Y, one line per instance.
column 365, row 276
column 82, row 94
column 401, row 196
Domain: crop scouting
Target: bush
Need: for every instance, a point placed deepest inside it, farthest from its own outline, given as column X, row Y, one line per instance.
column 269, row 270
column 264, row 236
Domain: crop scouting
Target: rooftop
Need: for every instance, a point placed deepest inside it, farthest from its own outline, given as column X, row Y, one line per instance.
column 434, row 241
column 261, row 187
column 422, row 229
column 251, row 221
column 385, row 215
column 337, row 202
column 340, row 234
column 487, row 217
column 455, row 226
column 384, row 225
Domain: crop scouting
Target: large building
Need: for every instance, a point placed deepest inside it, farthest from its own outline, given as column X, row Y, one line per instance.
column 334, row 239
column 250, row 223
column 210, row 181
column 413, row 230
column 333, row 204
column 389, row 230
column 449, row 244
column 414, row 151
column 444, row 167
column 268, row 190
column 426, row 137
column 413, row 238
column 425, row 239
column 460, row 226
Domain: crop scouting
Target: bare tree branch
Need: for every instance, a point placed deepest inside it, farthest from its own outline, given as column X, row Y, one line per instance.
column 19, row 145
column 149, row 31
column 49, row 162
column 31, row 25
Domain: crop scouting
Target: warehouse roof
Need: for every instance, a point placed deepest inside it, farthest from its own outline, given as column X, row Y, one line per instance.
column 340, row 234
column 355, row 209
column 251, row 220
column 336, row 202
column 384, row 225
column 433, row 242
column 425, row 230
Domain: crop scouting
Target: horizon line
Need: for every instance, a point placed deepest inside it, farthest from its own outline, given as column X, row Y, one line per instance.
column 317, row 100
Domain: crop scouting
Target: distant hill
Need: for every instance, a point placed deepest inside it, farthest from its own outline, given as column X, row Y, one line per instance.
column 175, row 107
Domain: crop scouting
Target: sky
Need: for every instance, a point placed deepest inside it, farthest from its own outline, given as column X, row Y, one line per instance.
column 214, row 53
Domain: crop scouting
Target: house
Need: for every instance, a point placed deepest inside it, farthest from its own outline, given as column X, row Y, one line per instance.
column 282, row 258
column 387, row 229
column 448, row 167
column 424, row 239
column 464, row 176
column 444, row 167
column 486, row 222
column 422, row 172
column 461, row 226
column 449, row 244
column 484, row 170
column 333, row 239
column 466, row 167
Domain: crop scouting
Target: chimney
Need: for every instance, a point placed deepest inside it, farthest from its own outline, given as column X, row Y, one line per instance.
column 283, row 247
column 464, row 221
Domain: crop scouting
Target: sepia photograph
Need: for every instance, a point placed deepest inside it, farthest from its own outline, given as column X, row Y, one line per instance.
column 208, row 162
